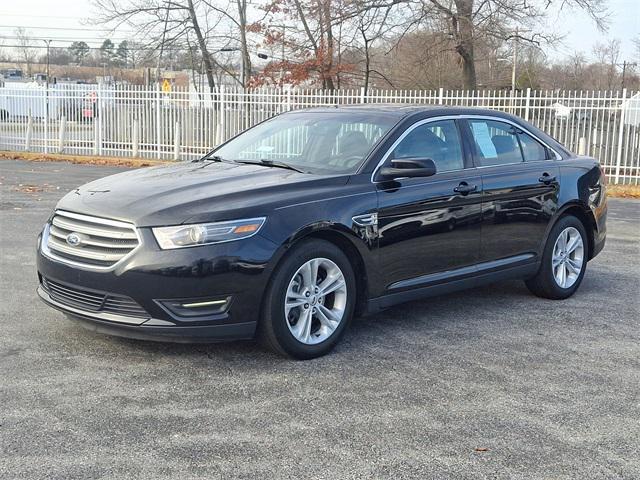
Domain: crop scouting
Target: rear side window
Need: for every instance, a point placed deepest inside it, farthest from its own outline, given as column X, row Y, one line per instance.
column 496, row 142
column 532, row 149
column 439, row 141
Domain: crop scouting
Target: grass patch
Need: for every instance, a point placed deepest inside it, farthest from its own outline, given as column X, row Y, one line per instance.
column 618, row 191
column 82, row 159
column 623, row 191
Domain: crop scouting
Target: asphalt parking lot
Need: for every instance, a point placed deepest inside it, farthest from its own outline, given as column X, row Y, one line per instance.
column 488, row 383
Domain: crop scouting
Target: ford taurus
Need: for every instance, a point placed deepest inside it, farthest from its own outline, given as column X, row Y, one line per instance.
column 290, row 229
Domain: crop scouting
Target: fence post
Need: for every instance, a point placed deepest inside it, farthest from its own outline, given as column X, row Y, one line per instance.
column 100, row 115
column 620, row 136
column 223, row 123
column 441, row 96
column 527, row 105
column 96, row 137
column 158, row 121
column 176, row 142
column 46, row 119
column 582, row 146
column 27, row 140
column 135, row 141
column 362, row 97
column 62, row 133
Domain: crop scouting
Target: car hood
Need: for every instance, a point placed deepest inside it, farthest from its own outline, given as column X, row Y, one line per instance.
column 195, row 192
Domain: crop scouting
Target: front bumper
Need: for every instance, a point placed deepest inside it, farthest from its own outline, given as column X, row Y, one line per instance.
column 121, row 326
column 152, row 277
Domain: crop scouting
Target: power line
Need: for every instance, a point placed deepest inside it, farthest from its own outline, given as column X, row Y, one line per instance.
column 30, row 15
column 26, row 27
column 65, row 39
column 90, row 48
column 129, row 47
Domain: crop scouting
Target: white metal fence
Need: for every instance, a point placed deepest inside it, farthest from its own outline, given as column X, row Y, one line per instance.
column 134, row 121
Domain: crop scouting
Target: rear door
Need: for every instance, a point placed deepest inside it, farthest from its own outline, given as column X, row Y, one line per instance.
column 429, row 227
column 520, row 182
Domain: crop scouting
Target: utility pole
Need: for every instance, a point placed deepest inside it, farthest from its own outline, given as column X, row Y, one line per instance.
column 283, row 45
column 164, row 34
column 515, row 62
column 626, row 64
column 284, row 29
column 516, row 38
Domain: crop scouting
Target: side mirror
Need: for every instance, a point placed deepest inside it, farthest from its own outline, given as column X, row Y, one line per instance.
column 409, row 167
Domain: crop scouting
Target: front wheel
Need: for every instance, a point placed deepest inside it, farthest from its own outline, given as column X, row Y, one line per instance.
column 309, row 302
column 564, row 261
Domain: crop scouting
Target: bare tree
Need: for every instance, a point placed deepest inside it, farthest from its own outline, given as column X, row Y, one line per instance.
column 470, row 20
column 576, row 69
column 25, row 48
column 606, row 69
column 182, row 24
column 418, row 59
column 372, row 27
column 3, row 54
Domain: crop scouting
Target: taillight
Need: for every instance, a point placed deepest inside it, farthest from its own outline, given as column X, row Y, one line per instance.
column 603, row 176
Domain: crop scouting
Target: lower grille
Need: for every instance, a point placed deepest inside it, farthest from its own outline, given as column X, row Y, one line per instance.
column 93, row 301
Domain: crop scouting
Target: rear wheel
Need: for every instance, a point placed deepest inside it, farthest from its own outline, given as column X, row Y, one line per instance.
column 564, row 261
column 309, row 302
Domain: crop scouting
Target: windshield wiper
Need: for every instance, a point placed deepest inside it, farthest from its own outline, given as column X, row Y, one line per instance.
column 271, row 163
column 212, row 158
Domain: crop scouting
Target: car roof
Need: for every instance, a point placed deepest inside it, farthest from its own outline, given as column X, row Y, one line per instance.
column 403, row 109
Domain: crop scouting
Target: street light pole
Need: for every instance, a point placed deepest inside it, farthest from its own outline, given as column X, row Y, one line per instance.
column 46, row 102
column 48, row 42
column 233, row 49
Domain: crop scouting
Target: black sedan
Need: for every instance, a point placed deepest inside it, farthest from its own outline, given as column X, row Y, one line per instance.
column 288, row 230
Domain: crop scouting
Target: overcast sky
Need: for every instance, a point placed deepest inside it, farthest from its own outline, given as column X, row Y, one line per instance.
column 63, row 20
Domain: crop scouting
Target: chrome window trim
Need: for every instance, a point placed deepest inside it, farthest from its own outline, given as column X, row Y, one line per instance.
column 44, row 248
column 462, row 117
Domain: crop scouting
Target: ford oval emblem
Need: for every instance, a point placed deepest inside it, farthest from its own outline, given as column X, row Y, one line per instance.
column 73, row 239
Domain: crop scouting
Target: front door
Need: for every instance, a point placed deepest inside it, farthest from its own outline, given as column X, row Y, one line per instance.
column 520, row 179
column 429, row 227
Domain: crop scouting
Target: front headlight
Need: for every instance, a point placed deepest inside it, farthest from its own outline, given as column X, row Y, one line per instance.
column 182, row 236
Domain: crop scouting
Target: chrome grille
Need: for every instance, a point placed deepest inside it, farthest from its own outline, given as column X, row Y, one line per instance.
column 100, row 242
column 93, row 301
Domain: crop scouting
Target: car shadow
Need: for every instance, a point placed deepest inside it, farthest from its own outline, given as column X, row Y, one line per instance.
column 467, row 310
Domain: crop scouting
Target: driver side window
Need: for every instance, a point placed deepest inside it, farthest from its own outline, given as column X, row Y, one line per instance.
column 439, row 141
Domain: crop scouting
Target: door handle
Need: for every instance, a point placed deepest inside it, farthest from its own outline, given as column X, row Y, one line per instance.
column 464, row 188
column 547, row 179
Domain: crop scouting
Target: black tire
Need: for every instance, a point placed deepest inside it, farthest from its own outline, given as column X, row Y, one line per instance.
column 273, row 329
column 544, row 283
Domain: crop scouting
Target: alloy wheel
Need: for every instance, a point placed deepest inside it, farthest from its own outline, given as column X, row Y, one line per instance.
column 568, row 257
column 316, row 301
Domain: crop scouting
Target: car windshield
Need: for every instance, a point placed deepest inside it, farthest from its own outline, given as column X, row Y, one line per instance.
column 315, row 142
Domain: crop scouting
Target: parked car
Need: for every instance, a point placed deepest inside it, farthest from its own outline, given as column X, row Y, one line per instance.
column 578, row 111
column 288, row 230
